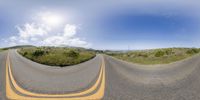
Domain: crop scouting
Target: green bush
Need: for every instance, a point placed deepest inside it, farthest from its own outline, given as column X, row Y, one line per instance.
column 159, row 54
column 38, row 52
column 142, row 55
column 128, row 55
column 192, row 51
column 25, row 53
column 57, row 56
column 72, row 53
column 169, row 51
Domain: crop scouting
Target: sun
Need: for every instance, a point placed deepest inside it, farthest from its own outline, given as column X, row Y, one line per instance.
column 51, row 19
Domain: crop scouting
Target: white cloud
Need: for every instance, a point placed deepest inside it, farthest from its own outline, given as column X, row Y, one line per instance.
column 66, row 38
column 41, row 32
column 38, row 34
column 13, row 38
column 69, row 30
column 60, row 40
column 50, row 18
column 32, row 30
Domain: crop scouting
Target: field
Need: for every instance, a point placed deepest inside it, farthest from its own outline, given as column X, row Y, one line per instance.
column 57, row 56
column 155, row 56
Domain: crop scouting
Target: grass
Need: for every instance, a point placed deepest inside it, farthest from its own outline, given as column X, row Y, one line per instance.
column 156, row 56
column 57, row 56
column 2, row 49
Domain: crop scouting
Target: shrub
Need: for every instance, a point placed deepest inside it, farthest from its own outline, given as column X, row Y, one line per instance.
column 56, row 56
column 142, row 55
column 169, row 51
column 72, row 53
column 38, row 52
column 159, row 54
column 145, row 55
column 25, row 53
column 192, row 51
column 195, row 50
column 128, row 55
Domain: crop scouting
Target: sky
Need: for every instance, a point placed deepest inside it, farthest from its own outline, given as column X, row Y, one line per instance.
column 102, row 24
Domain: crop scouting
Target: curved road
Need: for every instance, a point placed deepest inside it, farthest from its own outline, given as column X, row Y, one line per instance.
column 38, row 78
column 177, row 81
column 105, row 77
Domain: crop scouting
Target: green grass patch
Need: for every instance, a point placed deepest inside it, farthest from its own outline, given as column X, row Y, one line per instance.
column 156, row 56
column 57, row 56
column 2, row 49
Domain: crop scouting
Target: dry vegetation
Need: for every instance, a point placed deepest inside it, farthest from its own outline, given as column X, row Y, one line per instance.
column 57, row 56
column 156, row 56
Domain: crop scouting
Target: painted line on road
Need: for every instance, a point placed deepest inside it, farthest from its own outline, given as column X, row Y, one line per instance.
column 36, row 96
column 49, row 95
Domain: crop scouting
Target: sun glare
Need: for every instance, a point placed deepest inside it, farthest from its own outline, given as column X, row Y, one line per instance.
column 51, row 19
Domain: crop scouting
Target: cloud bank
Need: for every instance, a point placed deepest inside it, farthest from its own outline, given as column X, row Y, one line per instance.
column 40, row 34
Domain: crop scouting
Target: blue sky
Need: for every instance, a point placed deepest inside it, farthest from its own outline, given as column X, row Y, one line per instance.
column 105, row 24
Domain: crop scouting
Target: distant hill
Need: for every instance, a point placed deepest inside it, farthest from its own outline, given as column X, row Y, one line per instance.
column 19, row 46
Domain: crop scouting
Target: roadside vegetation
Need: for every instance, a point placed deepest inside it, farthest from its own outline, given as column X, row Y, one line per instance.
column 155, row 56
column 2, row 49
column 57, row 56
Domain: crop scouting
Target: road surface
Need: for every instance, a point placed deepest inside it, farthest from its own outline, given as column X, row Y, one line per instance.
column 177, row 81
column 103, row 77
column 2, row 75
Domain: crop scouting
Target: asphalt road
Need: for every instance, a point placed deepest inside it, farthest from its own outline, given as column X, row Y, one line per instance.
column 177, row 81
column 2, row 75
column 123, row 81
column 38, row 78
